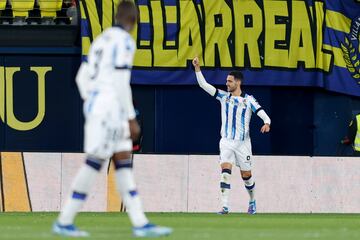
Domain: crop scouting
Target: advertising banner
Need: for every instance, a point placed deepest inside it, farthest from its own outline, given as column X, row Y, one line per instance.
column 275, row 43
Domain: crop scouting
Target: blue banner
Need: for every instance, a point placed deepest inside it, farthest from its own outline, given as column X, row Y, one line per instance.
column 40, row 107
column 274, row 43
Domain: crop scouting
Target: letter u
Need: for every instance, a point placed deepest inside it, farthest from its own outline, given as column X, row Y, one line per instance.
column 12, row 121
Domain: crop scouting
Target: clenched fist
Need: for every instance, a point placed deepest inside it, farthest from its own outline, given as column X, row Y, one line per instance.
column 265, row 128
column 196, row 64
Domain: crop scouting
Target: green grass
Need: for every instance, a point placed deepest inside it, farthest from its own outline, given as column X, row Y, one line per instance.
column 37, row 226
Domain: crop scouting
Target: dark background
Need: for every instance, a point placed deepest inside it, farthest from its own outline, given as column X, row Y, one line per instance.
column 305, row 121
column 176, row 119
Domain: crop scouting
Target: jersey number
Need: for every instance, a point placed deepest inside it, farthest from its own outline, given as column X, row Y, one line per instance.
column 98, row 57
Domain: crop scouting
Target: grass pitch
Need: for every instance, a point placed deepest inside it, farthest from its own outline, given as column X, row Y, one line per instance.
column 26, row 226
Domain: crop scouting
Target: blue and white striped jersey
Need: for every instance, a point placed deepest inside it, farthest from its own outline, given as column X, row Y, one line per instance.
column 236, row 113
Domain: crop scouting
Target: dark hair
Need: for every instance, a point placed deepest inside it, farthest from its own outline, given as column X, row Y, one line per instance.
column 237, row 75
column 127, row 11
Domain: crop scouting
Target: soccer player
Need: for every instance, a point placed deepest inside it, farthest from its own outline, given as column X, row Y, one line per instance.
column 110, row 126
column 235, row 144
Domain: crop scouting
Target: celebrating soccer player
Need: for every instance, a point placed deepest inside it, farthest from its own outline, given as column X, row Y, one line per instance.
column 235, row 144
column 110, row 127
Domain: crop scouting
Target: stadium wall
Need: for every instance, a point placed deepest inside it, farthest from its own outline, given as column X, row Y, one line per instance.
column 41, row 111
column 305, row 121
column 40, row 107
column 185, row 183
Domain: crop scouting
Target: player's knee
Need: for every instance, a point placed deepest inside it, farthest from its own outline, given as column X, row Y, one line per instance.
column 248, row 181
column 246, row 177
column 225, row 179
column 93, row 162
column 122, row 160
column 226, row 165
column 120, row 156
column 121, row 164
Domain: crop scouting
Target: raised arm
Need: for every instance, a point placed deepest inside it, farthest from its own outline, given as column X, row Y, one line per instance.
column 201, row 80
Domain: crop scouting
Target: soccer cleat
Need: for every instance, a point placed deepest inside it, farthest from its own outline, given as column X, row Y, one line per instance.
column 252, row 207
column 225, row 210
column 151, row 230
column 68, row 231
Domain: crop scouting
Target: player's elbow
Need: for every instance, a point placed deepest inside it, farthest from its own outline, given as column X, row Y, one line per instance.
column 134, row 130
column 203, row 85
column 135, row 135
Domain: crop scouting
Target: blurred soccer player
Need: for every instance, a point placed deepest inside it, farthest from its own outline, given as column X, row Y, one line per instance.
column 110, row 126
column 235, row 144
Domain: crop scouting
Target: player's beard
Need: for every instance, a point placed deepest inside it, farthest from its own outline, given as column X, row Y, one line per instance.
column 231, row 89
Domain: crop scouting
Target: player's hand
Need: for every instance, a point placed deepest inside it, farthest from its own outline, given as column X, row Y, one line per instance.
column 134, row 130
column 265, row 128
column 196, row 64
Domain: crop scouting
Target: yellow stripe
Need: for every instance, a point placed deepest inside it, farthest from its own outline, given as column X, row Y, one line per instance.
column 85, row 41
column 171, row 14
column 16, row 196
column 107, row 13
column 337, row 21
column 1, row 189
column 144, row 43
column 82, row 12
column 85, row 45
column 2, row 5
column 170, row 43
column 2, row 94
column 144, row 14
column 113, row 199
column 93, row 18
column 338, row 55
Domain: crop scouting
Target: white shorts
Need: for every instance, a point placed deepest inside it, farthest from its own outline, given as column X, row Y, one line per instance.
column 236, row 152
column 106, row 131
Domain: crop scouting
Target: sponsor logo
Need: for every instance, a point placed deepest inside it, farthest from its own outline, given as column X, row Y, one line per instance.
column 351, row 49
column 7, row 114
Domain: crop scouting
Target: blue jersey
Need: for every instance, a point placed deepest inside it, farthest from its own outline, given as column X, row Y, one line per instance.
column 236, row 113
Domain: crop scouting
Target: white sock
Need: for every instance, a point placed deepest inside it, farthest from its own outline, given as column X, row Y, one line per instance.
column 127, row 189
column 250, row 187
column 81, row 186
column 225, row 187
